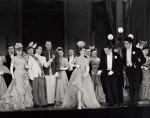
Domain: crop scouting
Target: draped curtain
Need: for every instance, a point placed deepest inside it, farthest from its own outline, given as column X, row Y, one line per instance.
column 139, row 21
column 111, row 16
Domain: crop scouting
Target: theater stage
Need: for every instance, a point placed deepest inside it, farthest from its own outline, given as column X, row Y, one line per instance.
column 142, row 111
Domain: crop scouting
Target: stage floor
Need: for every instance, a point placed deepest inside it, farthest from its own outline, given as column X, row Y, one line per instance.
column 141, row 111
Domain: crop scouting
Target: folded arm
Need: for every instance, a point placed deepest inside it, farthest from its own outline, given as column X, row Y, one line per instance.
column 141, row 57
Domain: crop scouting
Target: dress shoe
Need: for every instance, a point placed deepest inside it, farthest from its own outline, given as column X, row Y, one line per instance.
column 36, row 106
column 44, row 106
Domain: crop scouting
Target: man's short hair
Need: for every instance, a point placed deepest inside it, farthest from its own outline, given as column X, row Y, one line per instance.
column 9, row 46
column 129, row 39
column 108, row 45
column 47, row 41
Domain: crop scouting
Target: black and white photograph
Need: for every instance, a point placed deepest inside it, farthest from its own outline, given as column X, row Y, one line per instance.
column 75, row 58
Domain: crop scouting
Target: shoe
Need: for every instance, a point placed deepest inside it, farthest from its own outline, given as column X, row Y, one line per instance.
column 44, row 106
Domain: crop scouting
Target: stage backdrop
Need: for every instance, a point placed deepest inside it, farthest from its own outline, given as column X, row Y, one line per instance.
column 41, row 22
column 10, row 25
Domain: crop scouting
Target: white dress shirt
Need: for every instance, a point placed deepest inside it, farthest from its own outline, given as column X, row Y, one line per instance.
column 109, row 61
column 11, row 55
column 34, row 68
column 129, row 53
column 71, row 58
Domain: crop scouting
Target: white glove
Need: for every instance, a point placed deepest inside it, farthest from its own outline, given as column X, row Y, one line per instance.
column 99, row 72
column 32, row 78
column 50, row 60
column 77, row 66
column 56, row 74
column 145, row 68
column 110, row 73
column 129, row 64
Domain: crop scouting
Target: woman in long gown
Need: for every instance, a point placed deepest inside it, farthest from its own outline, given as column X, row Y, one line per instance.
column 18, row 95
column 80, row 91
column 145, row 86
column 94, row 61
column 3, row 70
column 62, row 80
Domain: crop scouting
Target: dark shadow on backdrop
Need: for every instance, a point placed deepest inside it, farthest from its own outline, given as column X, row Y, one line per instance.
column 101, row 23
column 41, row 22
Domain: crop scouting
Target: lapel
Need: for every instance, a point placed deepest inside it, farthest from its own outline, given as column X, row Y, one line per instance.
column 132, row 56
column 105, row 58
column 51, row 53
column 125, row 54
column 112, row 59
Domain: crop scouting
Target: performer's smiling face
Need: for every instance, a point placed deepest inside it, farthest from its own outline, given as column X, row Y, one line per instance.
column 107, row 51
column 82, row 52
column 11, row 50
column 145, row 52
column 127, row 45
column 61, row 53
column 88, row 52
column 48, row 45
column 30, row 51
column 94, row 53
column 39, row 50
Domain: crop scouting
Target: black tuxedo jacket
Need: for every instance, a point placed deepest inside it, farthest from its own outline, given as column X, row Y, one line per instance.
column 55, row 66
column 117, row 64
column 136, row 54
column 8, row 61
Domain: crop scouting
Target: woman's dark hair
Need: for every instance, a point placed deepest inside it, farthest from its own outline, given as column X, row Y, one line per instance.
column 94, row 50
column 129, row 39
column 60, row 49
column 37, row 47
column 29, row 47
column 145, row 48
column 79, row 49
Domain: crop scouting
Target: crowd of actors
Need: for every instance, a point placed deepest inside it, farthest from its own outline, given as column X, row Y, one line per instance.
column 38, row 78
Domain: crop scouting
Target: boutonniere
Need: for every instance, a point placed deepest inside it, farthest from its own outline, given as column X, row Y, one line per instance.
column 53, row 56
column 133, row 52
column 115, row 57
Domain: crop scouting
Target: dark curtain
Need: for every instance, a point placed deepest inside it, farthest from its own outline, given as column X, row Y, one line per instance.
column 111, row 16
column 101, row 24
column 41, row 22
column 139, row 21
column 126, row 14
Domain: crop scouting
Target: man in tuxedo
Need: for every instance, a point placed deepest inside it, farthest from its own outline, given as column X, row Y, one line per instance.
column 51, row 73
column 71, row 58
column 133, row 59
column 36, row 72
column 87, row 52
column 9, row 56
column 120, row 83
column 110, row 65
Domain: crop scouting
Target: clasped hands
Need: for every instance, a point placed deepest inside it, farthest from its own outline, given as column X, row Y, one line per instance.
column 130, row 64
column 109, row 73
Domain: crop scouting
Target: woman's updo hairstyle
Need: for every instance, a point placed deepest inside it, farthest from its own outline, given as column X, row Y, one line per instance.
column 80, row 46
